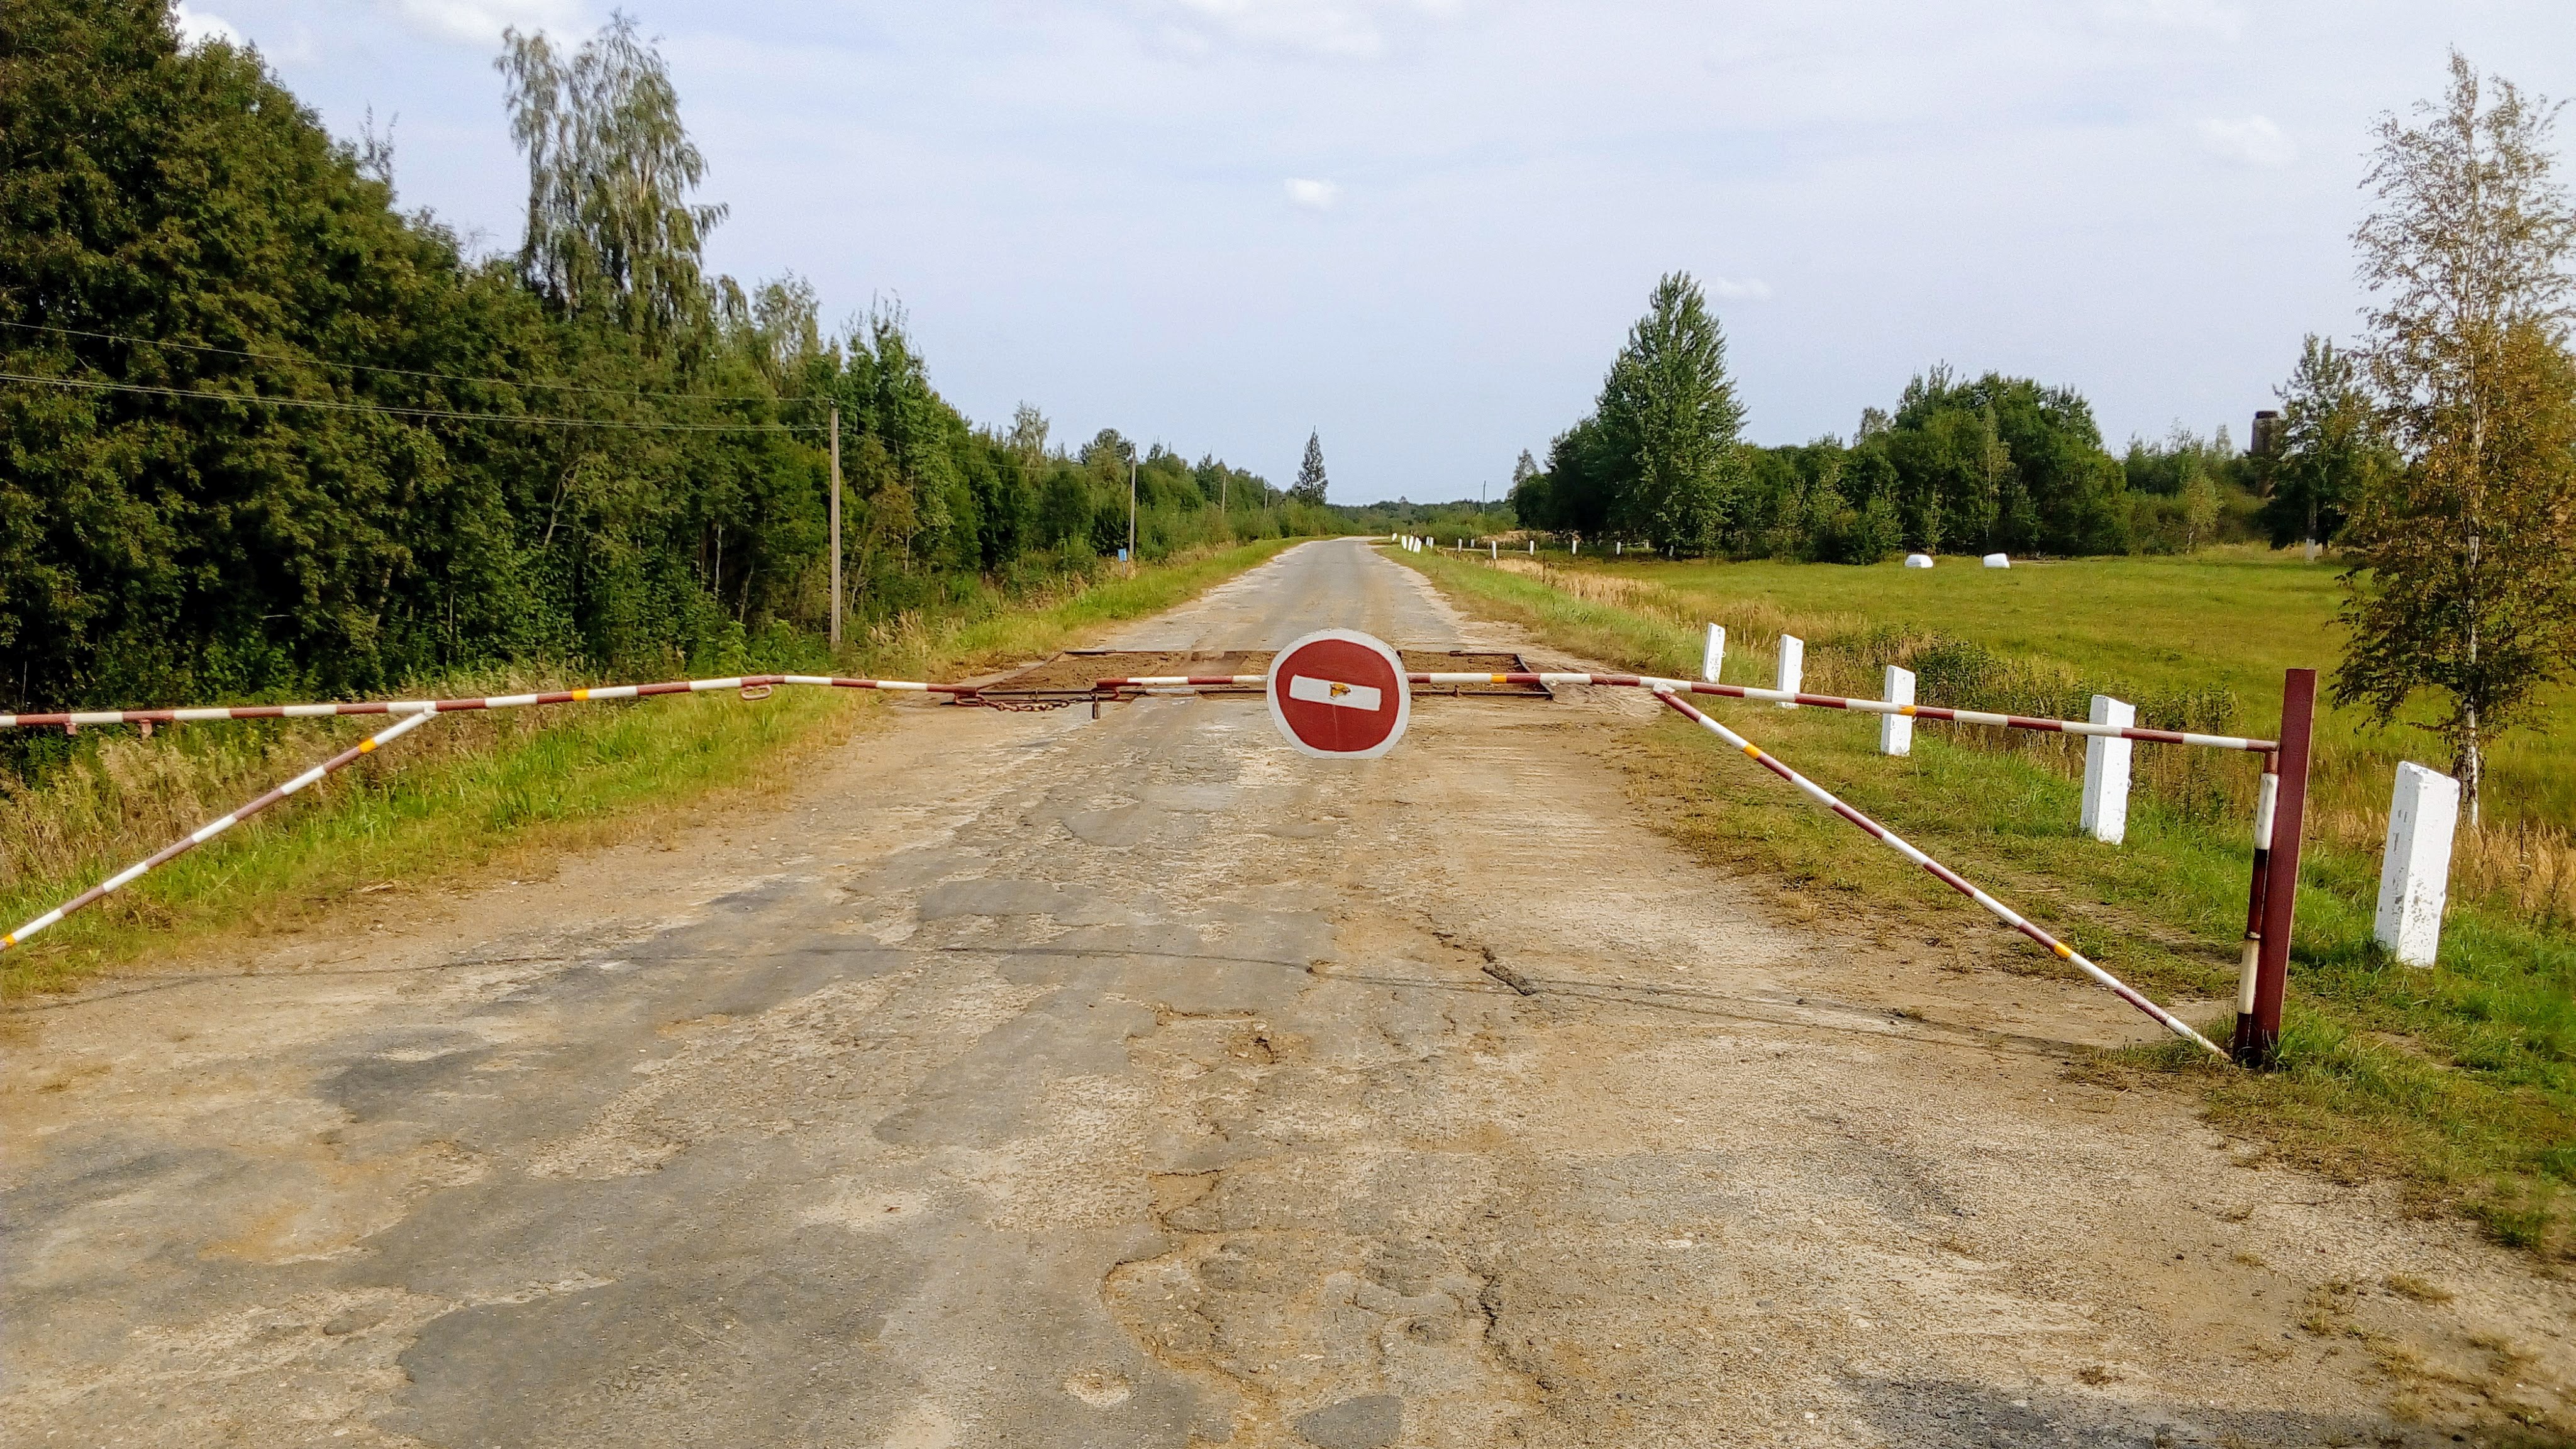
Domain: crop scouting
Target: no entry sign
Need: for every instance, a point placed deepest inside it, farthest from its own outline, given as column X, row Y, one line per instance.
column 1339, row 695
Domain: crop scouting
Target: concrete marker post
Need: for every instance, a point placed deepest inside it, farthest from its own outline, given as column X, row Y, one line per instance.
column 1896, row 731
column 1793, row 667
column 1712, row 655
column 2106, row 772
column 2258, row 1018
column 2415, row 873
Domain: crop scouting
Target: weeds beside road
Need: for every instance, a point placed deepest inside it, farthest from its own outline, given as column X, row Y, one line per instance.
column 2459, row 1079
column 471, row 795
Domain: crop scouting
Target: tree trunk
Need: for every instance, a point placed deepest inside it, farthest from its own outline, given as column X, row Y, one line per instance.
column 2468, row 765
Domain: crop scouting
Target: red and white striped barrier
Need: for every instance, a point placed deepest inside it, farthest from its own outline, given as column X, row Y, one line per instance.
column 1665, row 691
column 1864, row 706
column 213, row 828
column 76, row 718
column 411, row 715
column 1739, row 691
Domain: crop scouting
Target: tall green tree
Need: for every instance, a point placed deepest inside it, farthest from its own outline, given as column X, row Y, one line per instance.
column 2463, row 581
column 2003, row 463
column 610, row 167
column 2331, row 450
column 1311, row 482
column 1671, row 414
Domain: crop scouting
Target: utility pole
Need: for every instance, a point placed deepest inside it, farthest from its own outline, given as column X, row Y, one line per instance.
column 836, row 527
column 1131, row 508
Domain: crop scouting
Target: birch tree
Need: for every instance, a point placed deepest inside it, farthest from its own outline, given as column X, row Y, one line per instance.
column 2463, row 582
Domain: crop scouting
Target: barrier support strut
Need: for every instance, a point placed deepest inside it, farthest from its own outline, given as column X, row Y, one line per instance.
column 211, row 829
column 1938, row 871
column 2276, row 875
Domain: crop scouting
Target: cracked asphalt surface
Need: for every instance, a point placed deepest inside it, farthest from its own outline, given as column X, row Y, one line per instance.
column 1021, row 1079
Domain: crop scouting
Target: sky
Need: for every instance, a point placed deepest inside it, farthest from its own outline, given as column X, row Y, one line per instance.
column 1422, row 227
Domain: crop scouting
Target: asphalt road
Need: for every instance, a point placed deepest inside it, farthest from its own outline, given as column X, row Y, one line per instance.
column 1019, row 1079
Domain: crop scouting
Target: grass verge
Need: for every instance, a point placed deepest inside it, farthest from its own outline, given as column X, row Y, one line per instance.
column 468, row 795
column 2458, row 1081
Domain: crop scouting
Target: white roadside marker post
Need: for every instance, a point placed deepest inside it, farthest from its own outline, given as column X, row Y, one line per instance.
column 2415, row 874
column 1896, row 731
column 1712, row 658
column 1793, row 666
column 2106, row 772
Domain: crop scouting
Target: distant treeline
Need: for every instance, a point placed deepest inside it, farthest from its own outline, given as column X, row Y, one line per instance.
column 288, row 438
column 1991, row 464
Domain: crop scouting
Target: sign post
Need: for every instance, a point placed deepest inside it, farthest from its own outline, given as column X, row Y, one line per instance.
column 1339, row 695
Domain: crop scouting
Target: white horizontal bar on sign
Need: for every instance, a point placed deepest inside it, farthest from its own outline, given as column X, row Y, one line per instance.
column 1333, row 691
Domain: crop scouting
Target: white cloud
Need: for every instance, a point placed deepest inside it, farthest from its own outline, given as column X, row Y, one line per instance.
column 2253, row 141
column 1749, row 289
column 480, row 22
column 2203, row 17
column 1313, row 195
column 196, row 27
column 1337, row 29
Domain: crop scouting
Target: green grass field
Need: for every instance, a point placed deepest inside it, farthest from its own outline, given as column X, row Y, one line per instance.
column 2232, row 619
column 466, row 796
column 2460, row 1080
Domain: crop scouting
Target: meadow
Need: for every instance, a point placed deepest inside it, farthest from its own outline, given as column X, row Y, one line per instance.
column 2457, row 1080
column 474, row 795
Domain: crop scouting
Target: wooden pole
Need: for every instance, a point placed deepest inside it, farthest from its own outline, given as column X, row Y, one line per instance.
column 2258, row 1018
column 836, row 526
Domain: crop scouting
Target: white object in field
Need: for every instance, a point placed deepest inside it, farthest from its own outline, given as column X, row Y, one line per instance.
column 1493, row 550
column 2106, row 772
column 1712, row 658
column 2415, row 875
column 1578, row 545
column 1998, row 561
column 1620, row 547
column 1533, row 548
column 1896, row 731
column 1793, row 666
column 1918, row 560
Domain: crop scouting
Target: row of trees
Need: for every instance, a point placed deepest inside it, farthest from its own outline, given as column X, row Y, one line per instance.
column 288, row 437
column 1978, row 465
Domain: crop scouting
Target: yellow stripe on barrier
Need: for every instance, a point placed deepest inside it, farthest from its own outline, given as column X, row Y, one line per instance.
column 580, row 694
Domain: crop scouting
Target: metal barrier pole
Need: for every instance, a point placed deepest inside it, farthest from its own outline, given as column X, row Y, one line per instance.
column 1665, row 691
column 2258, row 1016
column 2249, row 962
column 211, row 829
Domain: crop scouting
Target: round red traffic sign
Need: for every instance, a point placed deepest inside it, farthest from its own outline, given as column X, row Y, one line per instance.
column 1339, row 695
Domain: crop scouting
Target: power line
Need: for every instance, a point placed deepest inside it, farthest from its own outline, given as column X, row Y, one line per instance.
column 369, row 367
column 331, row 405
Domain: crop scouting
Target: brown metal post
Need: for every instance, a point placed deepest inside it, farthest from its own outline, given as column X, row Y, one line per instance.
column 2258, row 1016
